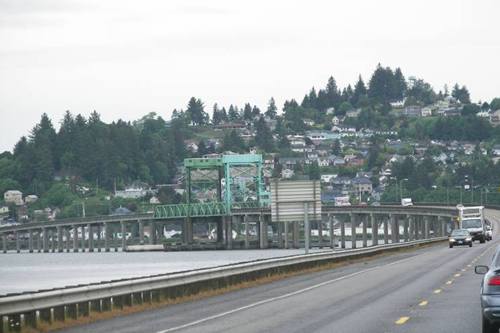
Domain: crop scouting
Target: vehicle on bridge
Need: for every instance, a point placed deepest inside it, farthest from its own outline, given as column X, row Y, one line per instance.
column 472, row 219
column 460, row 237
column 406, row 202
column 490, row 294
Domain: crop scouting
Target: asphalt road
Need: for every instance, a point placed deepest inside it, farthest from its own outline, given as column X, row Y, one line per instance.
column 427, row 290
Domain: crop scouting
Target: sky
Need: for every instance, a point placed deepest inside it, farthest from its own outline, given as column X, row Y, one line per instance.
column 127, row 58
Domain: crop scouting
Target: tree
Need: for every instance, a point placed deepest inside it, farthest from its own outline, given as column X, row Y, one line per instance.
column 247, row 112
column 217, row 117
column 272, row 110
column 359, row 91
column 232, row 141
column 461, row 94
column 470, row 110
column 314, row 171
column 399, row 85
column 263, row 138
column 337, row 148
column 495, row 104
column 233, row 113
column 195, row 110
column 381, row 85
column 332, row 93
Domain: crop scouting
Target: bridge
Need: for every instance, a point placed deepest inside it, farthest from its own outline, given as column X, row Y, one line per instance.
column 353, row 223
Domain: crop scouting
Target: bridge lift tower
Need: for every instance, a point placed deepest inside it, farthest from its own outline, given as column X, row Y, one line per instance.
column 217, row 185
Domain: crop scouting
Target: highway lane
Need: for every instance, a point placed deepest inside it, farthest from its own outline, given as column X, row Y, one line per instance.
column 432, row 290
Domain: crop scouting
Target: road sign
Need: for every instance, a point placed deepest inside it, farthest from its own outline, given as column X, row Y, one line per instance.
column 288, row 199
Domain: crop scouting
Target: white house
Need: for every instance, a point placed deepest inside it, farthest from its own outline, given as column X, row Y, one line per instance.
column 31, row 198
column 335, row 121
column 13, row 196
column 287, row 173
column 131, row 193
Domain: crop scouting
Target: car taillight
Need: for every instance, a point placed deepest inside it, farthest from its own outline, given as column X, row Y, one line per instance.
column 494, row 281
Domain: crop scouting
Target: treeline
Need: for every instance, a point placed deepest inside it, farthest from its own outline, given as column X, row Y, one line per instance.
column 93, row 151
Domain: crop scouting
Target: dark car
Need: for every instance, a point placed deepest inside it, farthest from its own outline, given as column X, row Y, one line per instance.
column 460, row 237
column 490, row 294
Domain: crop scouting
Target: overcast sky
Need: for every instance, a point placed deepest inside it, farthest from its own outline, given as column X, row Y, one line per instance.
column 128, row 58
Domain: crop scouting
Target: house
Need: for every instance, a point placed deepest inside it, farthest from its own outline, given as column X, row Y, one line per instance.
column 330, row 110
column 13, row 196
column 426, row 112
column 496, row 150
column 412, row 111
column 353, row 113
column 335, row 121
column 309, row 122
column 397, row 104
column 191, row 145
column 287, row 173
column 495, row 118
column 323, row 162
column 362, row 185
column 131, row 193
column 339, row 161
column 31, row 198
column 328, row 178
column 290, row 162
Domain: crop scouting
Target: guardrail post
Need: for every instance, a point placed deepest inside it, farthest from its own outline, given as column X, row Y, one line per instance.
column 45, row 240
column 30, row 240
column 18, row 240
column 124, row 236
column 342, row 234
column 91, row 237
column 426, row 227
column 52, row 241
column 84, row 244
column 394, row 228
column 106, row 237
column 386, row 230
column 247, row 231
column 365, row 235
column 141, row 233
column 374, row 224
column 263, row 232
column 59, row 239
column 75, row 238
column 354, row 223
column 229, row 232
column 411, row 228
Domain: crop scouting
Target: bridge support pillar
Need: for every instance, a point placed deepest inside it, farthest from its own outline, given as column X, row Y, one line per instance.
column 411, row 227
column 443, row 227
column 39, row 241
column 331, row 231
column 154, row 235
column 84, row 244
column 247, row 231
column 220, row 230
column 406, row 221
column 52, row 241
column 295, row 234
column 18, row 242
column 68, row 239
column 75, row 238
column 263, row 232
column 287, row 245
column 141, row 232
column 45, row 240
column 393, row 222
column 279, row 230
column 374, row 224
column 59, row 239
column 98, row 240
column 187, row 231
column 386, row 230
column 91, row 237
column 124, row 236
column 365, row 233
column 4, row 243
column 354, row 224
column 342, row 234
column 30, row 240
column 320, row 234
column 106, row 237
column 426, row 227
column 229, row 232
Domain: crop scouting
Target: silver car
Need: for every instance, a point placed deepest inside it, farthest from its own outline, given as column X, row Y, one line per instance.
column 490, row 294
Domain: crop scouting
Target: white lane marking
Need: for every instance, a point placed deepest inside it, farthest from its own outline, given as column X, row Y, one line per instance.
column 272, row 299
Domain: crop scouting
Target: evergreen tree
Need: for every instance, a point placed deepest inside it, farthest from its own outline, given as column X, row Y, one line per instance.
column 233, row 113
column 216, row 115
column 399, row 85
column 461, row 94
column 232, row 141
column 359, row 91
column 195, row 110
column 332, row 93
column 263, row 137
column 247, row 112
column 272, row 110
column 381, row 86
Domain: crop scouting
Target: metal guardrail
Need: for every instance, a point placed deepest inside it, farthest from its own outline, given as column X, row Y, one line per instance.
column 33, row 301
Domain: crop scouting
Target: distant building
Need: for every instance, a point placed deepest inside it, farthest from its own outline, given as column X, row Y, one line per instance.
column 131, row 193
column 362, row 185
column 287, row 173
column 31, row 198
column 412, row 111
column 13, row 196
column 495, row 118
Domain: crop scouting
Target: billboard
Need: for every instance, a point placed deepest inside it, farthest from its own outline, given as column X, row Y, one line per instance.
column 289, row 196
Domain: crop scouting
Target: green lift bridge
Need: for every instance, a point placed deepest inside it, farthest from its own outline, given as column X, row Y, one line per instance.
column 215, row 186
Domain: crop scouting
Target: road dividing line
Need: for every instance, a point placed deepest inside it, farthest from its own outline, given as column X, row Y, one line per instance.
column 401, row 320
column 437, row 291
column 469, row 265
column 284, row 296
column 457, row 275
column 423, row 303
column 463, row 269
column 449, row 282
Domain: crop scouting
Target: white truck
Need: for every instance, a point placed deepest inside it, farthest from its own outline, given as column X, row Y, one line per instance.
column 472, row 219
column 406, row 202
